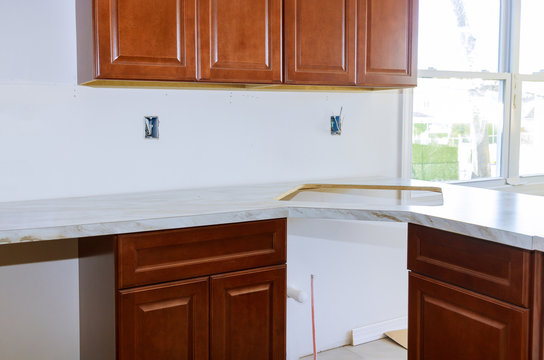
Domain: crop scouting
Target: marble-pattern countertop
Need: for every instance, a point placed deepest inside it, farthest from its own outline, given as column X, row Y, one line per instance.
column 503, row 217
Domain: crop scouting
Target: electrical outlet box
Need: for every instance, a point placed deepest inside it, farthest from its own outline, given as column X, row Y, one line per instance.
column 151, row 130
column 336, row 125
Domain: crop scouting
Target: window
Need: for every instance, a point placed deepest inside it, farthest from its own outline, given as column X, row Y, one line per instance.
column 478, row 110
column 531, row 81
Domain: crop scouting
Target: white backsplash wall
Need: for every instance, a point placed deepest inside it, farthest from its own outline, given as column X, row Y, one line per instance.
column 67, row 140
column 59, row 139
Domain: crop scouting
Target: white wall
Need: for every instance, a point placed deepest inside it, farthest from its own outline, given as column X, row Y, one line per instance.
column 59, row 140
column 65, row 140
column 39, row 306
column 360, row 279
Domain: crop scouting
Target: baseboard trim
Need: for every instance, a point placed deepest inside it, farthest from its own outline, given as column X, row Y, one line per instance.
column 376, row 331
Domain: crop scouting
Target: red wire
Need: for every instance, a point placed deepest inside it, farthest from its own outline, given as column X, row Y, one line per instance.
column 313, row 318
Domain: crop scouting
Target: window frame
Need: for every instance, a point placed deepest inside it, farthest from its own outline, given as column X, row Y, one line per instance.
column 508, row 61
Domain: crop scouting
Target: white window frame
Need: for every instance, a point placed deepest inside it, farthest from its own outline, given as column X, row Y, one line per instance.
column 513, row 80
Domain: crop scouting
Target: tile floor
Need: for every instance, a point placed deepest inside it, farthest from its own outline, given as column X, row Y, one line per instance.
column 383, row 349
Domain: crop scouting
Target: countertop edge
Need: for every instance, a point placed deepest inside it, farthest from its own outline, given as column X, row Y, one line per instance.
column 505, row 237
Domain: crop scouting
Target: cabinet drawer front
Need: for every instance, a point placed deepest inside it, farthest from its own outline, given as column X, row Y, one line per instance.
column 450, row 323
column 160, row 256
column 167, row 321
column 248, row 315
column 500, row 271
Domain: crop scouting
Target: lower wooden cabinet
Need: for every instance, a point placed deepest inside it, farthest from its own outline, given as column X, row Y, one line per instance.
column 248, row 315
column 167, row 321
column 451, row 323
column 170, row 321
column 472, row 299
column 234, row 309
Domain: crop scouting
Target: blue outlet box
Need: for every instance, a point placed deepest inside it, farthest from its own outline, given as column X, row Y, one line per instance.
column 151, row 127
column 336, row 125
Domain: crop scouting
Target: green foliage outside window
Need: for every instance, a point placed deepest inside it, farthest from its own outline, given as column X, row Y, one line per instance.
column 435, row 162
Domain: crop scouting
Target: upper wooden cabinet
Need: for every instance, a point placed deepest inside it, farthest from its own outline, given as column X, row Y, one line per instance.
column 472, row 299
column 139, row 39
column 320, row 37
column 364, row 43
column 240, row 40
column 387, row 43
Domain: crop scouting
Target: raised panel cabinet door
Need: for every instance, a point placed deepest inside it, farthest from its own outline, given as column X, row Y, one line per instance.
column 248, row 310
column 167, row 321
column 240, row 41
column 450, row 323
column 387, row 43
column 145, row 39
column 320, row 37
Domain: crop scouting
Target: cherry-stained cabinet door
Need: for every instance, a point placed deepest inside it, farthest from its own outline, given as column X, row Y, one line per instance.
column 240, row 41
column 145, row 39
column 450, row 323
column 166, row 321
column 248, row 310
column 387, row 43
column 320, row 39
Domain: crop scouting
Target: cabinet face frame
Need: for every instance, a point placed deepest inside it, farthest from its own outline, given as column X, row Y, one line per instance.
column 303, row 65
column 376, row 70
column 537, row 308
column 217, row 55
column 162, row 57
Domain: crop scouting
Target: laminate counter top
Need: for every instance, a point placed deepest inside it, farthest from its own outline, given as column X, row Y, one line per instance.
column 502, row 217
